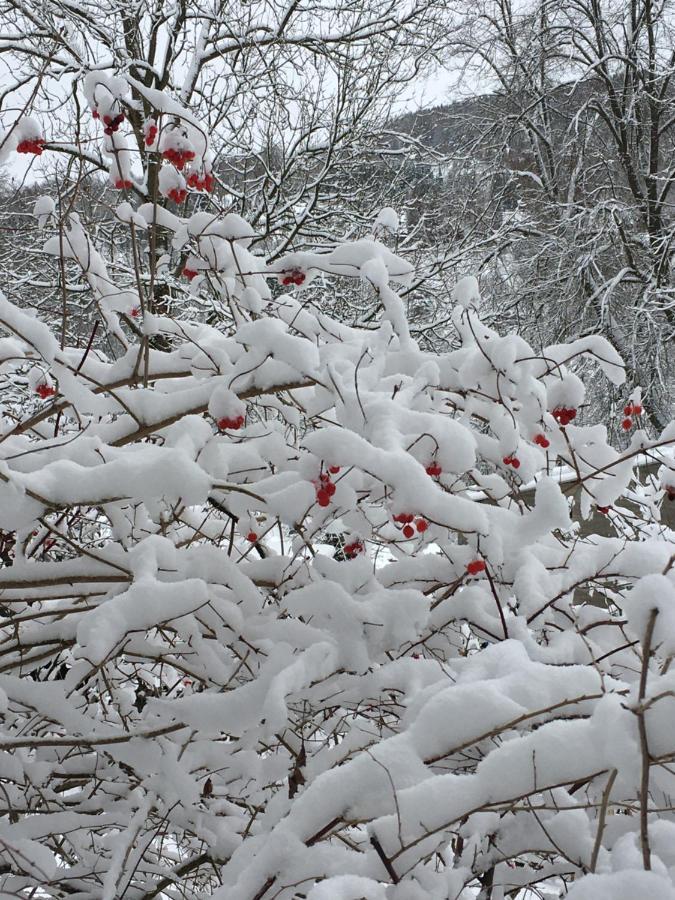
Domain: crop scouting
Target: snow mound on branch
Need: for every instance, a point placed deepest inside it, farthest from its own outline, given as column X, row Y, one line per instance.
column 625, row 885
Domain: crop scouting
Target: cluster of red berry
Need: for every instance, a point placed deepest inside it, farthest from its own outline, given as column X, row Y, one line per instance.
column 201, row 183
column 190, row 273
column 511, row 461
column 123, row 184
column 351, row 551
column 325, row 487
column 179, row 158
column 36, row 146
column 434, row 469
column 150, row 134
column 177, row 194
column 295, row 276
column 112, row 123
column 630, row 410
column 232, row 424
column 564, row 415
column 542, row 441
column 44, row 390
column 406, row 520
column 475, row 567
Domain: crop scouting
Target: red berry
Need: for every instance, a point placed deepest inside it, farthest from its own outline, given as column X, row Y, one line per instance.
column 150, row 136
column 135, row 312
column 122, row 184
column 31, row 146
column 177, row 194
column 230, row 424
column 329, row 488
column 670, row 492
column 353, row 549
column 95, row 114
column 564, row 415
column 637, row 410
column 44, row 390
column 408, row 531
column 542, row 441
column 515, row 462
column 421, row 525
column 507, row 460
column 604, row 509
column 323, row 497
column 628, row 410
column 200, row 184
column 434, row 469
column 190, row 273
column 295, row 276
column 107, row 120
column 178, row 157
column 252, row 537
column 476, row 566
column 334, row 469
column 627, row 424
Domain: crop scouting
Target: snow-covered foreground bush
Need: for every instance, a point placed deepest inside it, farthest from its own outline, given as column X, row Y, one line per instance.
column 280, row 621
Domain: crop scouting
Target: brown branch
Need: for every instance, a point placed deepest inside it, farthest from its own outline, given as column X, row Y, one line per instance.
column 386, row 862
column 644, row 747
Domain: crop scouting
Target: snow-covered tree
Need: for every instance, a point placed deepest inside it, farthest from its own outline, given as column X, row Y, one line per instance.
column 574, row 134
column 297, row 609
column 292, row 98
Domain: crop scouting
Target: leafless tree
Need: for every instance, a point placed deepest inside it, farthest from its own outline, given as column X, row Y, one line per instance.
column 576, row 130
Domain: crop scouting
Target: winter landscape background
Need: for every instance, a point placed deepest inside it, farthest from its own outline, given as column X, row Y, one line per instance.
column 337, row 468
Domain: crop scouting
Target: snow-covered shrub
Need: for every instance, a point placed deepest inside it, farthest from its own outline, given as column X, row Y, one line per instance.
column 293, row 609
column 280, row 621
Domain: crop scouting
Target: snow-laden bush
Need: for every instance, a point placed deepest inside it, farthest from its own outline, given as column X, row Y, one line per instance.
column 299, row 610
